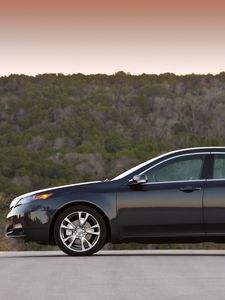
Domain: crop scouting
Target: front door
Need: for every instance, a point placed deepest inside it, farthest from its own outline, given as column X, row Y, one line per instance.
column 169, row 204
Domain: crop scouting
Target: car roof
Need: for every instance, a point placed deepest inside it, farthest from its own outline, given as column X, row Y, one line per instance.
column 198, row 149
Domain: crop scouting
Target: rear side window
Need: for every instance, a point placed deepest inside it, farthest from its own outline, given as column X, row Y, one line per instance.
column 219, row 166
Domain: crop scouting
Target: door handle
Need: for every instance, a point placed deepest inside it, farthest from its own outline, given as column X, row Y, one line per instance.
column 189, row 189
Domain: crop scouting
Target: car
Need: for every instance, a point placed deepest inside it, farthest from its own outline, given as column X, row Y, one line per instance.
column 176, row 197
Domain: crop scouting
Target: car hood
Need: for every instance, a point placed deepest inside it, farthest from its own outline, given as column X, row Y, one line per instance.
column 82, row 184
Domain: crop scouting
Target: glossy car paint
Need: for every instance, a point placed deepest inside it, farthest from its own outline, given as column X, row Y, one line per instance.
column 160, row 209
column 149, row 212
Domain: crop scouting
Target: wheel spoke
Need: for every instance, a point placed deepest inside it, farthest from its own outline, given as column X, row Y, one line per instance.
column 92, row 232
column 82, row 244
column 68, row 228
column 91, row 229
column 83, row 220
column 68, row 221
column 79, row 217
column 71, row 243
column 94, row 226
column 68, row 237
column 89, row 244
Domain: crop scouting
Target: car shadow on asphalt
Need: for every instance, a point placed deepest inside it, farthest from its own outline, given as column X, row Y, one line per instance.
column 43, row 255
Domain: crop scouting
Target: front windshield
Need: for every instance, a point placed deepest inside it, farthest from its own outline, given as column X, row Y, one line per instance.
column 130, row 171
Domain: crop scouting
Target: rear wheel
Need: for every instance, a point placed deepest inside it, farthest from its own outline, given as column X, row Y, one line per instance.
column 80, row 230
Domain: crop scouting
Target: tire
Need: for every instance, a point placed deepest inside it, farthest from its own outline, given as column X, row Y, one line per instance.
column 80, row 231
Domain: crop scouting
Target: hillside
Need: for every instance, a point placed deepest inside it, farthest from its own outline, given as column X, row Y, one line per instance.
column 57, row 129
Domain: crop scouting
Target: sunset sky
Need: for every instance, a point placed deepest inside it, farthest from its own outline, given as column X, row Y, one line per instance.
column 96, row 36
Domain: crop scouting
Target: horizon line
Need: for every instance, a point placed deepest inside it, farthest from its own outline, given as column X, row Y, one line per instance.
column 108, row 74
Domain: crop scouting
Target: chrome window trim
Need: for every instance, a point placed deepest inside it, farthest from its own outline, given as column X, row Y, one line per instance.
column 178, row 181
column 213, row 179
column 217, row 152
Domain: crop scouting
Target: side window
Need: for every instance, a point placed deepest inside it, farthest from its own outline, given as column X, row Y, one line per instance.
column 219, row 166
column 178, row 169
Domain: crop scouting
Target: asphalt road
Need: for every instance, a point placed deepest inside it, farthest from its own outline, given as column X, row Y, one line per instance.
column 125, row 275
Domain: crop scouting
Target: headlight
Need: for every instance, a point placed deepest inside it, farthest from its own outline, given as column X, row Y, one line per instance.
column 18, row 201
column 43, row 196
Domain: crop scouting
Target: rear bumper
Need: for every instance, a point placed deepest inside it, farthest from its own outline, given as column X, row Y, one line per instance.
column 28, row 222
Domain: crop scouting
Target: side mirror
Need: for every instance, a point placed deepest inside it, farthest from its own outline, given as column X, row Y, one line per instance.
column 139, row 179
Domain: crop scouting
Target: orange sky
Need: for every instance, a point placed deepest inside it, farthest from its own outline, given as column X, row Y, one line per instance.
column 99, row 36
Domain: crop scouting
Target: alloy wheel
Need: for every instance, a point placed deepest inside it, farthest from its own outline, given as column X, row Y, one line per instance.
column 80, row 231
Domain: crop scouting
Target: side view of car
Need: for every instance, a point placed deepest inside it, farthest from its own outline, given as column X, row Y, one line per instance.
column 176, row 197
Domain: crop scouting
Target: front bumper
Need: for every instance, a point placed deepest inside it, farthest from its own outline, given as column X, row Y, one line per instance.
column 30, row 222
column 15, row 230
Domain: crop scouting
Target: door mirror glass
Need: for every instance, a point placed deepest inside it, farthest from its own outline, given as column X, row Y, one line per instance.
column 139, row 179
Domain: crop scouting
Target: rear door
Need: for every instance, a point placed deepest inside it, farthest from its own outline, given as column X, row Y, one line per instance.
column 214, row 196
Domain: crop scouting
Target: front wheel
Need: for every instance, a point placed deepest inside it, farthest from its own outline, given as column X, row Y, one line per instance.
column 80, row 230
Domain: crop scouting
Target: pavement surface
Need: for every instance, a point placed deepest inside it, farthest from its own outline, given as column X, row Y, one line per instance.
column 125, row 275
